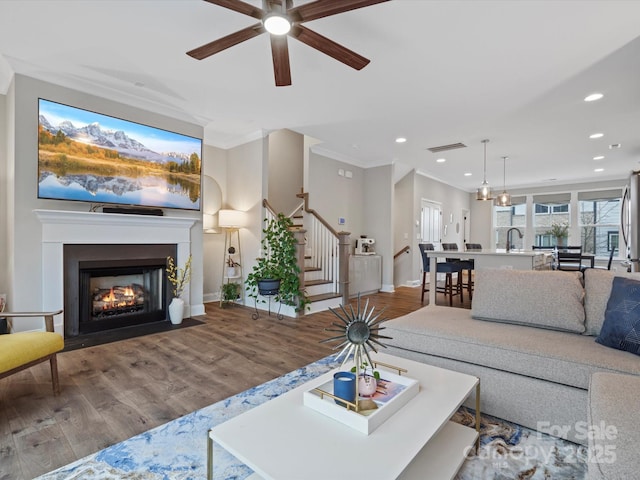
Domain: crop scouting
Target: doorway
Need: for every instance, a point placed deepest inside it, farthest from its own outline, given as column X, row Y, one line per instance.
column 431, row 221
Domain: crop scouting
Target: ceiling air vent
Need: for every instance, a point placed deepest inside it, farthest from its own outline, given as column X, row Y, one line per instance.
column 444, row 148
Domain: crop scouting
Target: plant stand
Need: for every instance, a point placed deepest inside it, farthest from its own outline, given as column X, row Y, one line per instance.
column 232, row 239
column 256, row 315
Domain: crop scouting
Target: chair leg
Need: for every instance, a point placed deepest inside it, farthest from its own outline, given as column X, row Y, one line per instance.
column 424, row 282
column 448, row 287
column 54, row 374
column 459, row 286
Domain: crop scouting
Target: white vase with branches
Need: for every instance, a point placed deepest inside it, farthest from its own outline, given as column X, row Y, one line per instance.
column 179, row 278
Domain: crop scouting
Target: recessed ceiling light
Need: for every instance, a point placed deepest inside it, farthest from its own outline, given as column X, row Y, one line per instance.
column 401, row 140
column 599, row 157
column 596, row 135
column 441, row 160
column 468, row 174
column 598, row 170
column 593, row 97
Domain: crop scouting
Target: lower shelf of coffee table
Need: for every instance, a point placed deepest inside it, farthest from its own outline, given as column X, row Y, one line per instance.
column 440, row 458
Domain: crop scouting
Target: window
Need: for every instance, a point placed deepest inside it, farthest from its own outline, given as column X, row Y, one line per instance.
column 508, row 217
column 613, row 240
column 599, row 217
column 550, row 210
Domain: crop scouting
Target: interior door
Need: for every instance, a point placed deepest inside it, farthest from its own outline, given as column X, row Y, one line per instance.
column 431, row 221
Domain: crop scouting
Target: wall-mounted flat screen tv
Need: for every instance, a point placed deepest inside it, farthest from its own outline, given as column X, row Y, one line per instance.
column 89, row 157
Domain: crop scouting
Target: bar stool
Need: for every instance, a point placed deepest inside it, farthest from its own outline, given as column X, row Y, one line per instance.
column 466, row 264
column 448, row 268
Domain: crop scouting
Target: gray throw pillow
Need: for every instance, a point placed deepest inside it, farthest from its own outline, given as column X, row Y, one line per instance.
column 548, row 299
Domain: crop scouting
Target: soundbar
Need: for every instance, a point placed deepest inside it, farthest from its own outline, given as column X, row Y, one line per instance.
column 134, row 211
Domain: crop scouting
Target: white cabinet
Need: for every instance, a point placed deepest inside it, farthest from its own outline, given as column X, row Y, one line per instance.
column 365, row 274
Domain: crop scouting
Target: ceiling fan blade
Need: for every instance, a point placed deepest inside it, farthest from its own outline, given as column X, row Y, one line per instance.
column 280, row 54
column 225, row 42
column 240, row 7
column 329, row 47
column 325, row 8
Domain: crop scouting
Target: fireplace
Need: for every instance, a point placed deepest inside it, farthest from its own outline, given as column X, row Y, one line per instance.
column 115, row 286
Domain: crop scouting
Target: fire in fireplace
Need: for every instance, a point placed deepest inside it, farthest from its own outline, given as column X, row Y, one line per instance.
column 120, row 296
column 114, row 286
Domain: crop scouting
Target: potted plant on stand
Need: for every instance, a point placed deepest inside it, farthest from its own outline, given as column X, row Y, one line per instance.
column 179, row 278
column 230, row 293
column 277, row 272
column 232, row 270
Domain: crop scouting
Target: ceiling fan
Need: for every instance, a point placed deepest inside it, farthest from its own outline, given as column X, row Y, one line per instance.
column 280, row 18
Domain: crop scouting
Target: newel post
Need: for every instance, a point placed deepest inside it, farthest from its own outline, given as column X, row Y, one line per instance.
column 344, row 250
column 301, row 241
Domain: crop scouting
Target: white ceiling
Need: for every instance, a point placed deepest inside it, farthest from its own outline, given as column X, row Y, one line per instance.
column 514, row 72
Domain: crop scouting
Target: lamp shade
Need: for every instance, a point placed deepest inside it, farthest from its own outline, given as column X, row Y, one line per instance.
column 231, row 218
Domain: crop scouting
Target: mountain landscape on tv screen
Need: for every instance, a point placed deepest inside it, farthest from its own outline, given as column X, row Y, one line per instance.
column 103, row 165
column 94, row 134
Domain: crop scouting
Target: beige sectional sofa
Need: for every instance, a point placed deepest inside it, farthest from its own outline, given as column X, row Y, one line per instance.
column 530, row 338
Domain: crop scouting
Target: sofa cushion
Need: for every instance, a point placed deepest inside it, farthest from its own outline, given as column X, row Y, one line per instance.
column 621, row 327
column 546, row 299
column 615, row 426
column 597, row 289
column 561, row 357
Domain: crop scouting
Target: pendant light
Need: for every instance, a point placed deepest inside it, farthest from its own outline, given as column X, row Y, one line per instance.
column 484, row 192
column 504, row 199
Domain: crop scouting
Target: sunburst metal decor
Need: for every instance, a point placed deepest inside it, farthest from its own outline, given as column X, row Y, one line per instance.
column 359, row 330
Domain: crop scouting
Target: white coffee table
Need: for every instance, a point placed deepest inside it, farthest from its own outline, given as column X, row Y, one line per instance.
column 283, row 439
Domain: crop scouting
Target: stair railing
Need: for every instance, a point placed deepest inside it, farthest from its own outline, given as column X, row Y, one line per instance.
column 325, row 248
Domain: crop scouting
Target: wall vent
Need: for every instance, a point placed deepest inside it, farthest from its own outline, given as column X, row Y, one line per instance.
column 444, row 148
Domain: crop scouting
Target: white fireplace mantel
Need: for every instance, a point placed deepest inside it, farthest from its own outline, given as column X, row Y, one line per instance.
column 71, row 227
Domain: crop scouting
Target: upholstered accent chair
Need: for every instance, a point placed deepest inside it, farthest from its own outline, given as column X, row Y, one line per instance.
column 22, row 350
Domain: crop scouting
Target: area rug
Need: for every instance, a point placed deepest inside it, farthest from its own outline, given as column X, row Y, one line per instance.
column 177, row 450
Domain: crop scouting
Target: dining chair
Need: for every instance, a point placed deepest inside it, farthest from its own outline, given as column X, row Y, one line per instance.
column 609, row 263
column 569, row 258
column 448, row 268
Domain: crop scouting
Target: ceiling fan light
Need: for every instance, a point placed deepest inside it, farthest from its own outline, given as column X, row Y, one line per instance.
column 276, row 24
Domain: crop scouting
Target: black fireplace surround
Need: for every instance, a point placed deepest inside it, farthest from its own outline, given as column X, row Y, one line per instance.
column 148, row 301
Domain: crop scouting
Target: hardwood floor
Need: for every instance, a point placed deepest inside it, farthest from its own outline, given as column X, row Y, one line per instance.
column 114, row 391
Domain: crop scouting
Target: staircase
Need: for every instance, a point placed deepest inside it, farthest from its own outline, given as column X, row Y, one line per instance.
column 321, row 266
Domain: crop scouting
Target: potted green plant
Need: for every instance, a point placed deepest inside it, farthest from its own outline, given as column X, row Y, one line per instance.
column 230, row 293
column 559, row 231
column 231, row 263
column 277, row 272
column 368, row 381
column 179, row 278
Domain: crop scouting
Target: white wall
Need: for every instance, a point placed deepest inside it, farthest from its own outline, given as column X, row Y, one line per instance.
column 25, row 232
column 378, row 217
column 404, row 230
column 245, row 192
column 4, row 252
column 453, row 201
column 334, row 196
column 285, row 170
column 214, row 164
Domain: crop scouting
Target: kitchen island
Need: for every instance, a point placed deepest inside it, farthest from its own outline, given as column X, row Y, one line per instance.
column 498, row 258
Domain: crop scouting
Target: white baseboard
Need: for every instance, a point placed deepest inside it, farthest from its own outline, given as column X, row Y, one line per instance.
column 388, row 288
